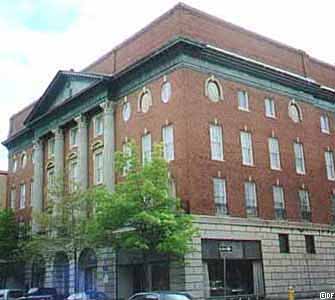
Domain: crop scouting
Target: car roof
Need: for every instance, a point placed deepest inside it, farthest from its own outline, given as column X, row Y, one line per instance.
column 161, row 293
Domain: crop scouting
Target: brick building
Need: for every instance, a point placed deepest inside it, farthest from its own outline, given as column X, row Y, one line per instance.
column 248, row 128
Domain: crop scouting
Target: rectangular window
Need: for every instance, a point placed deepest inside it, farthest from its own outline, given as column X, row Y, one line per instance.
column 51, row 179
column 250, row 199
column 73, row 136
column 220, row 196
column 168, row 143
column 310, row 244
column 216, row 142
column 126, row 153
column 305, row 207
column 98, row 125
column 243, row 101
column 279, row 202
column 329, row 158
column 51, row 147
column 274, row 154
column 246, row 144
column 299, row 158
column 73, row 175
column 98, row 168
column 146, row 148
column 284, row 245
column 13, row 199
column 270, row 110
column 22, row 195
column 324, row 123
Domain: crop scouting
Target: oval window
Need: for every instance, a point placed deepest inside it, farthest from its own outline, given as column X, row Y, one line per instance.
column 166, row 92
column 145, row 102
column 126, row 111
column 213, row 91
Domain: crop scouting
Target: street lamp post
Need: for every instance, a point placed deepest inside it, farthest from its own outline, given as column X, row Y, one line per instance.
column 223, row 250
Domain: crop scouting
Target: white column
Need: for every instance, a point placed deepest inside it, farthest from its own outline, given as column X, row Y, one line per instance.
column 37, row 201
column 109, row 145
column 59, row 155
column 83, row 151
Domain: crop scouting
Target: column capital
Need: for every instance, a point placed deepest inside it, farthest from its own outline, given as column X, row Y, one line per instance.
column 37, row 144
column 58, row 132
column 108, row 106
column 81, row 119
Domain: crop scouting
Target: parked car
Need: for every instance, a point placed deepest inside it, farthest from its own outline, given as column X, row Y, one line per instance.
column 88, row 295
column 42, row 294
column 10, row 294
column 161, row 295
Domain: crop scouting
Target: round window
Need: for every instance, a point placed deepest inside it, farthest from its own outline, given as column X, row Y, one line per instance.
column 213, row 91
column 293, row 112
column 145, row 102
column 126, row 111
column 166, row 92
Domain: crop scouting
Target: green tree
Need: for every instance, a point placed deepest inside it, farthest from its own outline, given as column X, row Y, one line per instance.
column 141, row 215
column 62, row 225
column 9, row 245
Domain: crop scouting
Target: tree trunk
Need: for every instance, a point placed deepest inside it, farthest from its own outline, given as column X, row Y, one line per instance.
column 147, row 273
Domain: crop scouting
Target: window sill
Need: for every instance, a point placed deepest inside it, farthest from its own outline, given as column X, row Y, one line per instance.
column 244, row 109
column 276, row 169
column 301, row 174
column 325, row 132
column 331, row 179
column 250, row 166
column 271, row 117
column 217, row 160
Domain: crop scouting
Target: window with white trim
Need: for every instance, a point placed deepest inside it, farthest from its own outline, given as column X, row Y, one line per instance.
column 73, row 175
column 270, row 109
column 305, row 207
column 51, row 147
column 98, row 125
column 220, row 196
column 98, row 168
column 22, row 201
column 246, row 147
column 216, row 139
column 146, row 148
column 243, row 100
column 127, row 154
column 13, row 198
column 250, row 198
column 329, row 159
column 51, row 179
column 299, row 158
column 168, row 142
column 324, row 123
column 274, row 153
column 279, row 202
column 14, row 165
column 73, row 136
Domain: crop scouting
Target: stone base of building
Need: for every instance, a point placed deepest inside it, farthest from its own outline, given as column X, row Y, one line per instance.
column 253, row 253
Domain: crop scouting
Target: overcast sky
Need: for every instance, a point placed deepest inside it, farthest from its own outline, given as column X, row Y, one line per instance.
column 39, row 37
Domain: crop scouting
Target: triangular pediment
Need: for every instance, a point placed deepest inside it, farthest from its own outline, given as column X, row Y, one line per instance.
column 65, row 86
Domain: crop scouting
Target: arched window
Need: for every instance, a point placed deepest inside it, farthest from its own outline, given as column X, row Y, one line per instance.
column 38, row 272
column 213, row 89
column 61, row 273
column 87, row 270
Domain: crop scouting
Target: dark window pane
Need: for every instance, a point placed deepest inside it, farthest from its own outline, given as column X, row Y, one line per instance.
column 310, row 244
column 284, row 243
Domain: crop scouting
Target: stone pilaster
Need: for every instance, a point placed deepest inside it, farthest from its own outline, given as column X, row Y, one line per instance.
column 37, row 201
column 109, row 145
column 83, row 151
column 59, row 154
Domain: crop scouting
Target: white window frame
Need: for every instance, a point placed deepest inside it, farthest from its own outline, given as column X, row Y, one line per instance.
column 73, row 175
column 22, row 202
column 330, row 168
column 146, row 148
column 278, row 197
column 23, row 160
column 96, row 180
column 126, row 153
column 324, row 124
column 168, row 142
column 246, row 148
column 73, row 137
column 305, row 204
column 51, row 147
column 14, row 166
column 220, row 196
column 51, row 179
column 299, row 158
column 250, row 197
column 216, row 140
column 245, row 96
column 274, row 153
column 98, row 130
column 270, row 108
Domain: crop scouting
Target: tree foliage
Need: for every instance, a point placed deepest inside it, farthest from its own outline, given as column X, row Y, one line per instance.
column 141, row 214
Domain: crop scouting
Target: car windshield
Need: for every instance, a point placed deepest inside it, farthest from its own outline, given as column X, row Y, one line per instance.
column 176, row 297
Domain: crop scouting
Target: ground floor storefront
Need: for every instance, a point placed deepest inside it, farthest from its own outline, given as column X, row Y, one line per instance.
column 231, row 257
